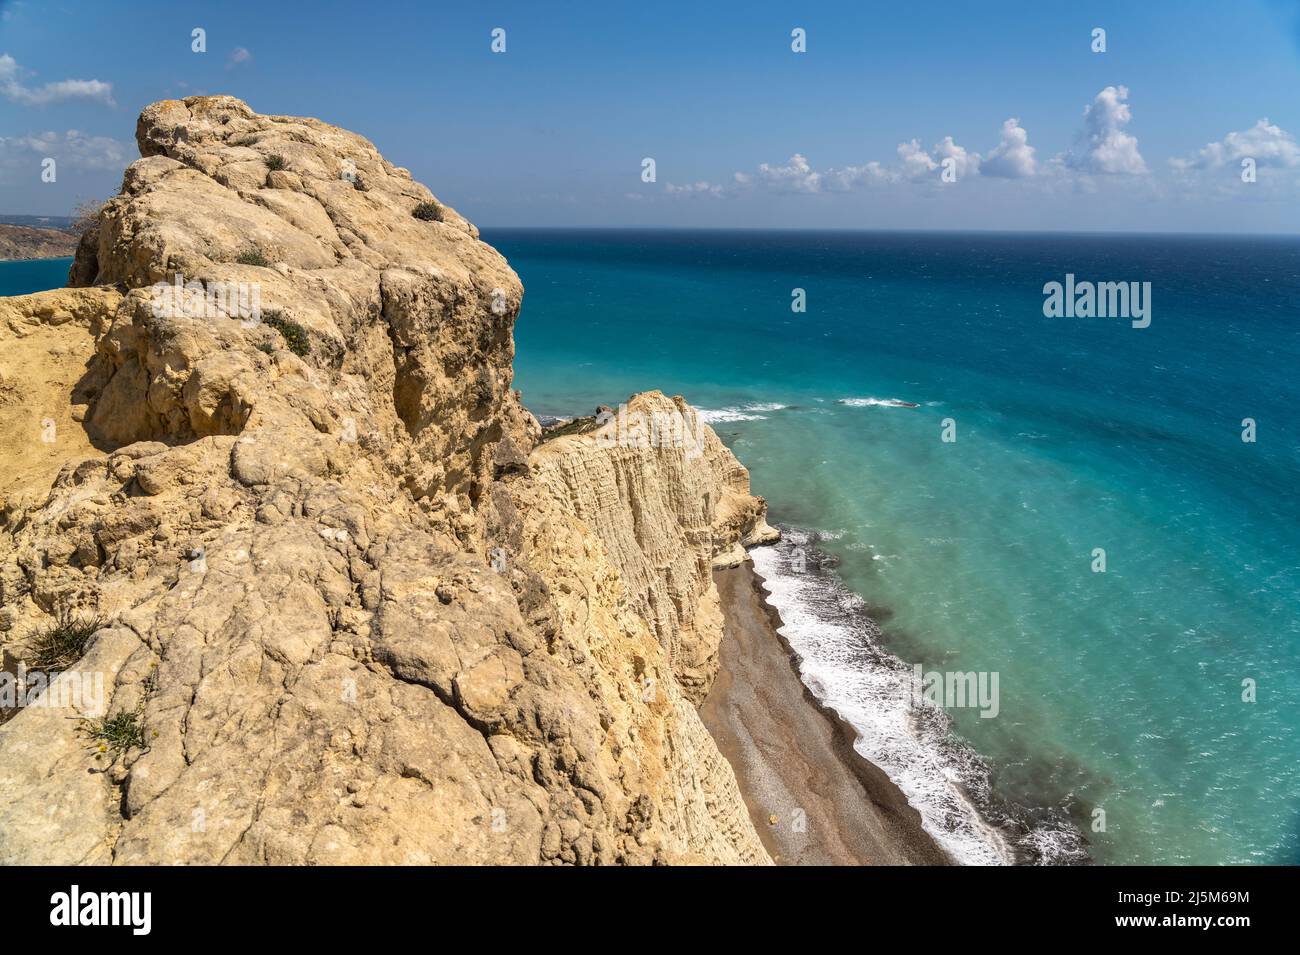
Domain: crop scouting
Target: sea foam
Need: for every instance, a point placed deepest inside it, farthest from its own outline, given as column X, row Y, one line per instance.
column 876, row 403
column 842, row 663
column 750, row 412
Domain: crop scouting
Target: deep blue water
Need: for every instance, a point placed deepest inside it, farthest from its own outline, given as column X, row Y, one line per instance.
column 1119, row 691
column 33, row 275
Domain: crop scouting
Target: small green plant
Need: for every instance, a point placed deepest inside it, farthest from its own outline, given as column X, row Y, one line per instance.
column 428, row 211
column 115, row 734
column 295, row 337
column 266, row 348
column 59, row 645
column 575, row 426
column 245, row 141
column 275, row 161
column 253, row 256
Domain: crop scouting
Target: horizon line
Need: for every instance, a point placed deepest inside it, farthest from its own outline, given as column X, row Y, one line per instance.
column 835, row 229
column 890, row 231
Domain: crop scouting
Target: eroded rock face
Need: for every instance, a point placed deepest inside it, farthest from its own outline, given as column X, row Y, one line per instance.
column 353, row 610
column 669, row 502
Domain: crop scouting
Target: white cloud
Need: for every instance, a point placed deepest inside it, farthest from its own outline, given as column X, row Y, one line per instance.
column 1267, row 144
column 916, row 161
column 797, row 175
column 1103, row 146
column 20, row 156
column 964, row 163
column 238, row 57
column 1102, row 149
column 12, row 88
column 694, row 189
column 1013, row 157
column 851, row 177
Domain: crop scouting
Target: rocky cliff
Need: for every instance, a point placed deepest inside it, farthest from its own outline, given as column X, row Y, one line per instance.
column 23, row 242
column 346, row 603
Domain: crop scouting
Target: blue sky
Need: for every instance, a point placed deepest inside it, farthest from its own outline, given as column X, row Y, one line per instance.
column 852, row 133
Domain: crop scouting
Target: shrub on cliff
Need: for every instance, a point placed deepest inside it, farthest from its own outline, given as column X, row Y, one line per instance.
column 59, row 645
column 85, row 216
column 253, row 257
column 116, row 734
column 295, row 337
column 428, row 211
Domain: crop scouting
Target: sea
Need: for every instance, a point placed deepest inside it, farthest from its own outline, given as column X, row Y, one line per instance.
column 1096, row 524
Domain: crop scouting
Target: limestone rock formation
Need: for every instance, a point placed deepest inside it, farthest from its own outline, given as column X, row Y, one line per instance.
column 349, row 606
column 666, row 519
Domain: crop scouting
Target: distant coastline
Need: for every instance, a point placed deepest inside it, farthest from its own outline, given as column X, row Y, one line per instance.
column 62, row 223
column 23, row 242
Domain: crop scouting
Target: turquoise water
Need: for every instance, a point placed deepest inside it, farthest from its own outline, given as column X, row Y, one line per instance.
column 1119, row 691
column 33, row 275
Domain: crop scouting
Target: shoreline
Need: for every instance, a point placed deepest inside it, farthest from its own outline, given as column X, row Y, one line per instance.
column 794, row 758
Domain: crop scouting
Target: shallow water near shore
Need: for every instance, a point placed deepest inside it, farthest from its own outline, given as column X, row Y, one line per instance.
column 1120, row 692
